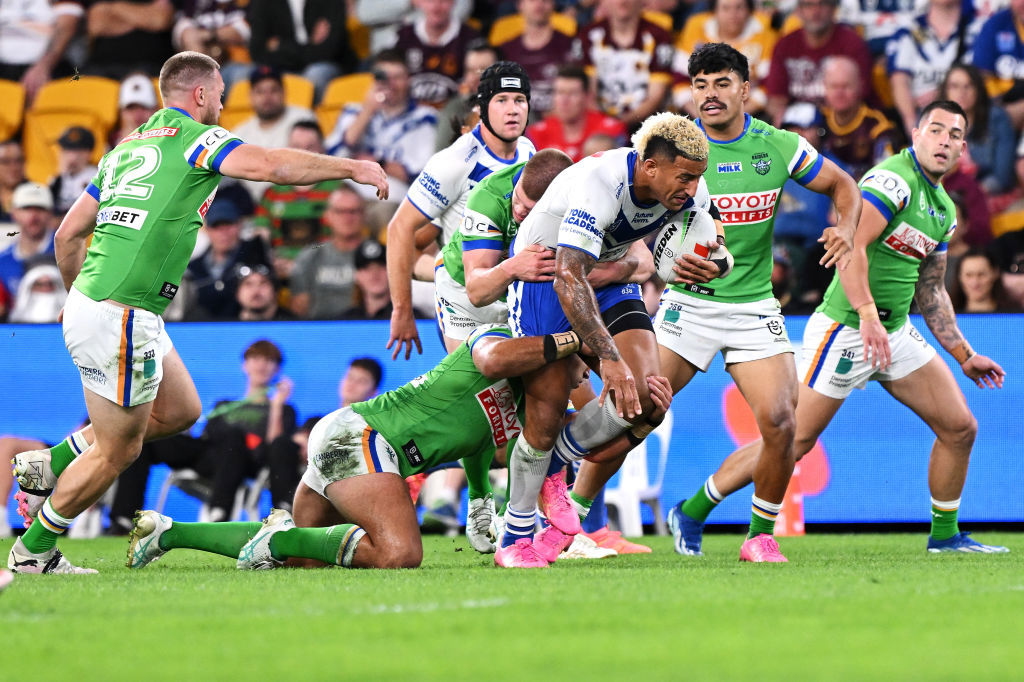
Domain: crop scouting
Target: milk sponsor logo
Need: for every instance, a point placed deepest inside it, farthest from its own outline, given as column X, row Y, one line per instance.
column 910, row 242
column 731, row 167
column 746, row 208
column 499, row 405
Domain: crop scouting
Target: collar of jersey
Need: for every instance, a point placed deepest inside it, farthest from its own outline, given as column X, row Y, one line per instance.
column 919, row 169
column 746, row 127
column 507, row 162
column 630, row 167
column 180, row 111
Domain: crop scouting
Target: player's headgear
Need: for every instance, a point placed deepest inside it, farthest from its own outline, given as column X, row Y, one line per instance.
column 500, row 77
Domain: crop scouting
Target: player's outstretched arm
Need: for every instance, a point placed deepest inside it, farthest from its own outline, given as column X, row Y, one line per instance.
column 837, row 183
column 401, row 255
column 937, row 310
column 298, row 167
column 499, row 357
column 69, row 243
column 580, row 305
column 854, row 280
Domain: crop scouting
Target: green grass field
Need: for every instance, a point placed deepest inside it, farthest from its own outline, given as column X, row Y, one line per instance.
column 857, row 607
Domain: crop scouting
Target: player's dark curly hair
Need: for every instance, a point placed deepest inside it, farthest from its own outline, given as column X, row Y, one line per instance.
column 715, row 57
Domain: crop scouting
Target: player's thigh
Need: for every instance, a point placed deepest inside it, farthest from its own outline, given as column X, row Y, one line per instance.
column 678, row 370
column 770, row 387
column 119, row 431
column 177, row 405
column 380, row 505
column 814, row 412
column 691, row 329
column 456, row 316
column 639, row 349
column 932, row 393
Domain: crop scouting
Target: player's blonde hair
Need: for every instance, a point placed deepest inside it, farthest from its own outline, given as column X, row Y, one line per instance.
column 678, row 131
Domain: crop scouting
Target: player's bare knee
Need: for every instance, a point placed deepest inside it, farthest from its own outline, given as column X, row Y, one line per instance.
column 960, row 432
column 397, row 554
column 777, row 425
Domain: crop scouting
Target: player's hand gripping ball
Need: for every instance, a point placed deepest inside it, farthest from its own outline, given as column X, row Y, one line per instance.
column 690, row 232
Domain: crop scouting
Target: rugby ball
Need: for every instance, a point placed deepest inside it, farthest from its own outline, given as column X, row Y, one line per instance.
column 689, row 232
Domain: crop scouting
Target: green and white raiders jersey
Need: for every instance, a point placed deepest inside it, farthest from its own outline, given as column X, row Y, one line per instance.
column 745, row 178
column 920, row 219
column 153, row 188
column 487, row 223
column 451, row 412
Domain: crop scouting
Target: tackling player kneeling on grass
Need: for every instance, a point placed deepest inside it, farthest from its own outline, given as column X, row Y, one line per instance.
column 359, row 457
column 860, row 332
column 144, row 208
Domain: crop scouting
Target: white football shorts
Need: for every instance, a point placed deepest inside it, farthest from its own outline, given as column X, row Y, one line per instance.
column 119, row 351
column 696, row 329
column 342, row 445
column 456, row 316
column 832, row 360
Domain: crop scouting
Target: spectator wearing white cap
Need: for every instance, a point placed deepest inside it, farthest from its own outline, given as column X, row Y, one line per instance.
column 136, row 103
column 32, row 210
column 74, row 171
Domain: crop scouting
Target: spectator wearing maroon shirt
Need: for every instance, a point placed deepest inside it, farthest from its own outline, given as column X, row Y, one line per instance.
column 572, row 122
column 434, row 45
column 629, row 60
column 796, row 72
column 540, row 49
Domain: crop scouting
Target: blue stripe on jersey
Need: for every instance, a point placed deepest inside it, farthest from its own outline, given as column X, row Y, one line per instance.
column 577, row 248
column 515, row 178
column 500, row 333
column 824, row 354
column 93, row 191
column 195, row 155
column 128, row 358
column 877, row 203
column 490, row 244
column 809, row 176
column 222, row 154
column 507, row 162
column 181, row 111
column 942, row 247
column 919, row 169
column 419, row 209
column 479, row 172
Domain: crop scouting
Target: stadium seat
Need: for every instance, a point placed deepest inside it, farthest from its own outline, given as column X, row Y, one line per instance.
column 39, row 140
column 247, row 498
column 88, row 101
column 635, row 488
column 511, row 26
column 91, row 94
column 358, row 37
column 342, row 90
column 12, row 109
column 297, row 92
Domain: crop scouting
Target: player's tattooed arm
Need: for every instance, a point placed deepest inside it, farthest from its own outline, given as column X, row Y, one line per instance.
column 937, row 310
column 579, row 303
column 934, row 303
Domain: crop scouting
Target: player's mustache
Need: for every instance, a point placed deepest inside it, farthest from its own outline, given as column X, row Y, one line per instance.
column 712, row 101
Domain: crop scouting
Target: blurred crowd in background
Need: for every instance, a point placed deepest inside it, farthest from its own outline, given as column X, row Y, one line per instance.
column 393, row 81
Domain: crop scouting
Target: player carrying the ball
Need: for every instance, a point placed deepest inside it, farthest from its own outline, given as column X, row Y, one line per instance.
column 593, row 213
column 748, row 163
column 352, row 507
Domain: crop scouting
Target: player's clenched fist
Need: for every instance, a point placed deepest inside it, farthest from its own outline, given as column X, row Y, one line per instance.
column 371, row 173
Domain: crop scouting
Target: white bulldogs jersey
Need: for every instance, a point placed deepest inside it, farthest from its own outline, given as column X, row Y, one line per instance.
column 590, row 206
column 442, row 187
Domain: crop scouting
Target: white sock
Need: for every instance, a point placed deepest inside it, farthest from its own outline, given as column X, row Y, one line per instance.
column 527, row 468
